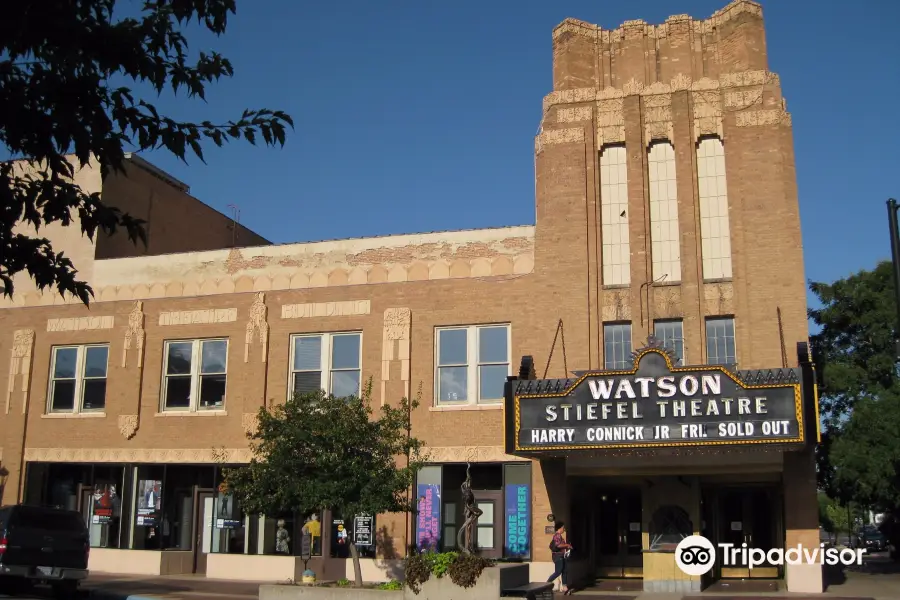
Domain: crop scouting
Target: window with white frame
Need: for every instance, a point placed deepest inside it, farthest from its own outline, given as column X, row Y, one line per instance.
column 326, row 361
column 78, row 379
column 720, row 341
column 472, row 363
column 617, row 345
column 194, row 375
column 671, row 334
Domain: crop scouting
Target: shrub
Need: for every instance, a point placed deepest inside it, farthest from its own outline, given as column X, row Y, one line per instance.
column 418, row 570
column 441, row 563
column 464, row 569
column 343, row 582
column 393, row 584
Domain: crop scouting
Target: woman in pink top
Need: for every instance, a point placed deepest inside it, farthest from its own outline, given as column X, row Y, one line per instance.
column 559, row 550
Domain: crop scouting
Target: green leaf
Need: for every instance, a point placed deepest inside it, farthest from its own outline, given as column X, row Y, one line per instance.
column 855, row 352
column 55, row 89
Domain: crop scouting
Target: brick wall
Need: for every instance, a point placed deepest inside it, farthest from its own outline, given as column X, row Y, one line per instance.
column 712, row 80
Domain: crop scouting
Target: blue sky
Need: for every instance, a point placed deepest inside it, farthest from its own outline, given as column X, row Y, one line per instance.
column 420, row 116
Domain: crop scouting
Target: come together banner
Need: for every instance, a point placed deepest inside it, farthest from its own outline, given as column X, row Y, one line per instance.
column 518, row 521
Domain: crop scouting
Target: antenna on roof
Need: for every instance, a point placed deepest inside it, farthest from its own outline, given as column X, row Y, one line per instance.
column 235, row 219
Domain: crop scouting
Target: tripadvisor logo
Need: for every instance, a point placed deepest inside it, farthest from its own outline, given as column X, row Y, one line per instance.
column 696, row 555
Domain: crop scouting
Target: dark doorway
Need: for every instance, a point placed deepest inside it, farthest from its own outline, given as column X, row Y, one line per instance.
column 745, row 515
column 487, row 486
column 618, row 534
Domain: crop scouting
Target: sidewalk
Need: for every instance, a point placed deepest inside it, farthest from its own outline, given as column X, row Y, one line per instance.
column 101, row 586
column 867, row 585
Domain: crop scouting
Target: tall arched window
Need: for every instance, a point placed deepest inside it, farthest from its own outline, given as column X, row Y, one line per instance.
column 614, row 216
column 664, row 234
column 715, row 232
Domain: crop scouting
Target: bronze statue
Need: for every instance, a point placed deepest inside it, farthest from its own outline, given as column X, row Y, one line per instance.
column 465, row 539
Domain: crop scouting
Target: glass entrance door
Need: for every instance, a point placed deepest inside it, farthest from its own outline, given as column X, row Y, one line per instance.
column 747, row 516
column 488, row 533
column 618, row 533
column 206, row 515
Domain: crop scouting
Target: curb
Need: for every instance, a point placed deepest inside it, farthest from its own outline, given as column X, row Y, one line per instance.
column 111, row 595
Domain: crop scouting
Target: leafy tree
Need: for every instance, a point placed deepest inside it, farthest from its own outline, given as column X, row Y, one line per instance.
column 825, row 516
column 835, row 516
column 859, row 388
column 58, row 62
column 866, row 454
column 855, row 348
column 318, row 452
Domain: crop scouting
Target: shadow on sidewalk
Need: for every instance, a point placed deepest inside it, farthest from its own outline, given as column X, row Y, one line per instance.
column 108, row 586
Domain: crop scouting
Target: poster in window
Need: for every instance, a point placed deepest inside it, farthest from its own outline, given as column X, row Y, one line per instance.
column 518, row 521
column 428, row 532
column 341, row 538
column 227, row 515
column 149, row 502
column 362, row 531
column 105, row 503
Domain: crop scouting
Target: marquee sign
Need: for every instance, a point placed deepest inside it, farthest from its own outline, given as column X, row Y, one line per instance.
column 655, row 405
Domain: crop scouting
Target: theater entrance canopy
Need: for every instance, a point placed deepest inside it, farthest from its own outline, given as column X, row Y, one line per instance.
column 657, row 405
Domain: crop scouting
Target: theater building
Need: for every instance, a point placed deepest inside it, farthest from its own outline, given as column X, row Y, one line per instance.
column 660, row 296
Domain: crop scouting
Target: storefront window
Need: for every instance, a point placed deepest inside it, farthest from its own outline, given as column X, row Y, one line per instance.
column 283, row 534
column 312, row 526
column 149, row 525
column 164, row 505
column 361, row 530
column 95, row 490
column 103, row 509
column 487, row 488
column 229, row 529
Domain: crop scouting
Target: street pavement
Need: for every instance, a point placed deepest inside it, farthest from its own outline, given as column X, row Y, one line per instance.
column 184, row 587
column 877, row 579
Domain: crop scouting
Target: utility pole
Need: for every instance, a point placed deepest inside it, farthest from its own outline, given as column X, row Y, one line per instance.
column 895, row 260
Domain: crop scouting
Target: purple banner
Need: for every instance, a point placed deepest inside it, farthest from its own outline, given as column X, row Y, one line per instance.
column 518, row 521
column 428, row 524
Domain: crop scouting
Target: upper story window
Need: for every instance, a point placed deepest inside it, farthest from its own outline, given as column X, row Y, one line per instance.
column 720, row 341
column 715, row 231
column 617, row 346
column 671, row 334
column 614, row 216
column 194, row 375
column 472, row 364
column 664, row 235
column 326, row 361
column 78, row 379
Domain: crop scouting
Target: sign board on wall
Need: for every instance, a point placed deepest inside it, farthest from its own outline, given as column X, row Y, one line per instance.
column 362, row 530
column 655, row 405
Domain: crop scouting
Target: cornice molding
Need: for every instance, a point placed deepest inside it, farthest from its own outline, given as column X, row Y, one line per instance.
column 139, row 455
column 638, row 27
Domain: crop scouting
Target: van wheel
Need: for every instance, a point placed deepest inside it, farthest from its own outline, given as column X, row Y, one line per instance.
column 64, row 590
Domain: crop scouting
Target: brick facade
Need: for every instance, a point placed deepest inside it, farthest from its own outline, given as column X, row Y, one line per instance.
column 678, row 83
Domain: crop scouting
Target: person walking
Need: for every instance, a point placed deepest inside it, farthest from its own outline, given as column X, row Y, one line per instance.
column 559, row 551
